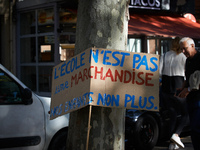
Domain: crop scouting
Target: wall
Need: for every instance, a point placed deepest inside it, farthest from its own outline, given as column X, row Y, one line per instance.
column 182, row 6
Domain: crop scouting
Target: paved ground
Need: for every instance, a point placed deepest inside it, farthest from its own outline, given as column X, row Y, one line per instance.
column 186, row 141
column 164, row 145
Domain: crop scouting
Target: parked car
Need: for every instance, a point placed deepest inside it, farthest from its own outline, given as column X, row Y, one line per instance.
column 24, row 117
column 144, row 129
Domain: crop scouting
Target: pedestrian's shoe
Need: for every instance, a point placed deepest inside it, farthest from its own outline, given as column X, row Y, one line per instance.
column 173, row 146
column 176, row 139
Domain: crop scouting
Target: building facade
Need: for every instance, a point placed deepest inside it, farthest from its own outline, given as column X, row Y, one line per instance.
column 37, row 35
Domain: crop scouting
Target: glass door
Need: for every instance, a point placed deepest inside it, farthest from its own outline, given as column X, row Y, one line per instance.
column 46, row 38
column 37, row 48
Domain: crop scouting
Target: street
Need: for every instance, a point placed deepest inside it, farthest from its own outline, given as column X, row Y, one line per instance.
column 164, row 145
column 186, row 141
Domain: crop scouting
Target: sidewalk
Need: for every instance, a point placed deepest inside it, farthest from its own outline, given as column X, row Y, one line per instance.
column 186, row 141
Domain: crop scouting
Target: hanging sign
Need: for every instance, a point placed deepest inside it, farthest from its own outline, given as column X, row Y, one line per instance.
column 145, row 4
column 107, row 78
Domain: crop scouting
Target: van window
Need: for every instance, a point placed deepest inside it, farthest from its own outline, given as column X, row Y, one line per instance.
column 9, row 90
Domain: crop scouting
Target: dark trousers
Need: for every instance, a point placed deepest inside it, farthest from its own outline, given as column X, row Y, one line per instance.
column 181, row 107
column 176, row 106
column 193, row 101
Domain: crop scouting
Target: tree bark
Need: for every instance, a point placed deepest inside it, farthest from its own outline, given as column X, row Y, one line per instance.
column 101, row 24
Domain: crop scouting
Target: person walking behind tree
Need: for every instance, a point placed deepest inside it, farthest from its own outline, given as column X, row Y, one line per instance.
column 192, row 95
column 172, row 69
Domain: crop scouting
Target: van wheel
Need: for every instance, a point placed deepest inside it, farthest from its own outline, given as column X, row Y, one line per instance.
column 146, row 132
column 59, row 141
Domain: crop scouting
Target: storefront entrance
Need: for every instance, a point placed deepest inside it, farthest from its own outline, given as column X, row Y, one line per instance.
column 46, row 37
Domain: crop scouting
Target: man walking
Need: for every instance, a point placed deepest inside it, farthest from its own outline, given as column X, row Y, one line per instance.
column 187, row 45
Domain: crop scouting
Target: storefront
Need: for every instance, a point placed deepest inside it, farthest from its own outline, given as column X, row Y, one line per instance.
column 157, row 30
column 46, row 35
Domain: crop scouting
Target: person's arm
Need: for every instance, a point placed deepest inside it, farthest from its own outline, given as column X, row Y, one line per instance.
column 184, row 90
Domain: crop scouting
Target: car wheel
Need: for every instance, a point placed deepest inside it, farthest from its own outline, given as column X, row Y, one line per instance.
column 146, row 132
column 59, row 141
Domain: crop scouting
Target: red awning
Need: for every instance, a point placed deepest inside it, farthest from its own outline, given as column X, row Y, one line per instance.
column 167, row 26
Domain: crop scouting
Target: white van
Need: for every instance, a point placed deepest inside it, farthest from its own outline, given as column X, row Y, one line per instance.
column 25, row 120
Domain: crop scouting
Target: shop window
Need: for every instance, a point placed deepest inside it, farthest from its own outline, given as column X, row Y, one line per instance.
column 67, row 46
column 28, row 76
column 45, row 75
column 27, row 23
column 165, row 46
column 45, row 20
column 67, row 22
column 134, row 45
column 158, row 45
column 46, row 49
column 66, row 51
column 27, row 50
column 67, row 19
column 153, row 46
column 41, row 46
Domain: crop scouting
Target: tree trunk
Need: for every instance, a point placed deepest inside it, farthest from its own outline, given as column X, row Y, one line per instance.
column 103, row 24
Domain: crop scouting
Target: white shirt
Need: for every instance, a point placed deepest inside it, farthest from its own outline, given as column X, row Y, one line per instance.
column 174, row 64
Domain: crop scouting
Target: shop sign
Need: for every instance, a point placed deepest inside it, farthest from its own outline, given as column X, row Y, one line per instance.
column 145, row 4
column 106, row 78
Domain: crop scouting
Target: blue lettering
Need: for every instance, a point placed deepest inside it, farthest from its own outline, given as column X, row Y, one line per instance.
column 84, row 98
column 144, row 103
column 60, row 109
column 62, row 69
column 102, row 99
column 74, row 102
column 90, row 97
column 95, row 57
column 115, row 99
column 109, row 100
column 66, row 107
column 105, row 57
column 80, row 101
column 136, row 59
column 133, row 102
column 129, row 98
column 152, row 104
column 67, row 72
column 66, row 84
column 77, row 102
column 71, row 104
column 56, row 110
column 69, row 66
column 116, row 58
column 123, row 58
column 155, row 65
column 82, row 58
column 143, row 62
column 61, row 87
column 55, row 76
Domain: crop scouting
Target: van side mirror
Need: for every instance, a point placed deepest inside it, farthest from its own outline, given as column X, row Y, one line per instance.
column 27, row 96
